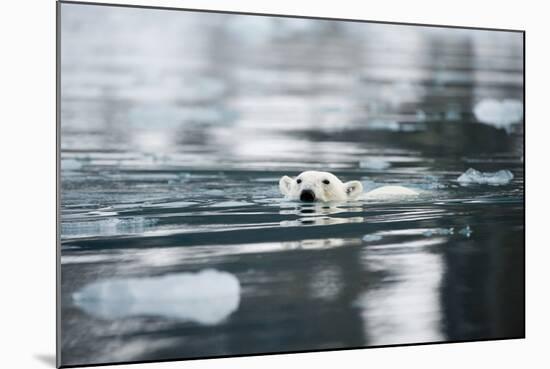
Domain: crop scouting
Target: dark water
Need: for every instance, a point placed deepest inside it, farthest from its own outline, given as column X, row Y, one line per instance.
column 175, row 129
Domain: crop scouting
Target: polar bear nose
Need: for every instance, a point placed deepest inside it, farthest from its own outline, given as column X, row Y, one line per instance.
column 307, row 195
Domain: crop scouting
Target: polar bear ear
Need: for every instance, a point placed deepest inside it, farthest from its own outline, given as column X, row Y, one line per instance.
column 284, row 185
column 353, row 189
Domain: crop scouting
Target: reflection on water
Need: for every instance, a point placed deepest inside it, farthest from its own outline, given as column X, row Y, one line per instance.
column 405, row 308
column 175, row 129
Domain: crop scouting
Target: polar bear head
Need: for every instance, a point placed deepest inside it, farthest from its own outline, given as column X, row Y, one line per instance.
column 319, row 186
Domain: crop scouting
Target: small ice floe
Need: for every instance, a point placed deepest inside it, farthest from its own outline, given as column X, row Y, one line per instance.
column 466, row 231
column 374, row 163
column 371, row 237
column 499, row 114
column 439, row 232
column 472, row 176
column 207, row 297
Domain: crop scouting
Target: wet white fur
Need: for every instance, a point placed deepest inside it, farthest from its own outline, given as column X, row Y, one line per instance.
column 389, row 191
column 336, row 190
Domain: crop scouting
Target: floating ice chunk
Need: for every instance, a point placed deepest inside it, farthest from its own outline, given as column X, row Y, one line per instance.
column 466, row 231
column 374, row 163
column 501, row 177
column 371, row 237
column 500, row 114
column 207, row 297
column 439, row 232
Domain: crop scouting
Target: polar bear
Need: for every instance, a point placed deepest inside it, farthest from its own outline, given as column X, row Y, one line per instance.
column 313, row 186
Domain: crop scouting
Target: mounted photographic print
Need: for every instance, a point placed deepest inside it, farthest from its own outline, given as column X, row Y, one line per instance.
column 242, row 184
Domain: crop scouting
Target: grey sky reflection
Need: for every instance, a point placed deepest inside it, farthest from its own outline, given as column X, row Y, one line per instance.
column 406, row 308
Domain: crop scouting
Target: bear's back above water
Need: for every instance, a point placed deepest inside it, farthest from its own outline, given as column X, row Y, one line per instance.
column 390, row 191
column 312, row 186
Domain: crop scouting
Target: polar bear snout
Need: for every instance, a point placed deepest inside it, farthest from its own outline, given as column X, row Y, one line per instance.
column 307, row 196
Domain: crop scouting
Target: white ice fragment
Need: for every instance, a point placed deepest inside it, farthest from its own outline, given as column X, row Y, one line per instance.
column 466, row 231
column 207, row 297
column 371, row 237
column 374, row 163
column 500, row 114
column 439, row 232
column 471, row 176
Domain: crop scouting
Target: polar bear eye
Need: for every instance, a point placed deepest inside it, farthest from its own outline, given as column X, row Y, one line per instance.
column 326, row 181
column 298, row 181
